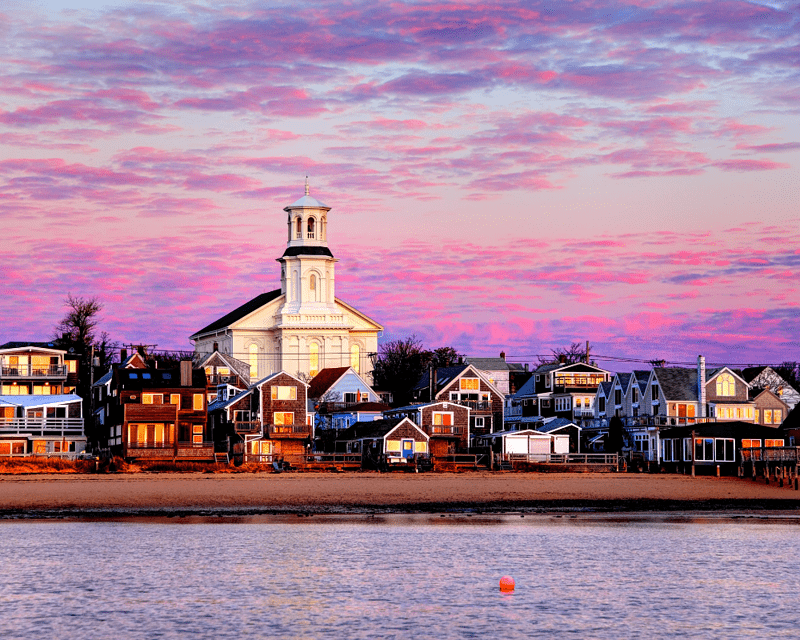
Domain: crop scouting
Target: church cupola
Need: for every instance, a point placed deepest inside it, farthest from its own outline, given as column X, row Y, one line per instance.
column 307, row 265
column 308, row 224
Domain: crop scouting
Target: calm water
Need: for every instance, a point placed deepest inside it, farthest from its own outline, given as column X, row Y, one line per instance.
column 402, row 578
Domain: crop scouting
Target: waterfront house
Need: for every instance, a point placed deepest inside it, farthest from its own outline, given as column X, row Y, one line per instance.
column 713, row 443
column 769, row 409
column 464, row 385
column 396, row 442
column 508, row 377
column 533, row 445
column 342, row 397
column 41, row 425
column 37, row 368
column 768, row 378
column 162, row 414
column 446, row 423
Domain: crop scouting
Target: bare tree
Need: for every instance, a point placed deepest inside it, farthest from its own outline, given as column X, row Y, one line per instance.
column 566, row 355
column 77, row 327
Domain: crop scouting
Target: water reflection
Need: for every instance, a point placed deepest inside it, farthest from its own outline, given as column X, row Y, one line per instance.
column 411, row 577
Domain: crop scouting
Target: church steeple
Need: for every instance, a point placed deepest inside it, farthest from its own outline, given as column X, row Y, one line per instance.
column 307, row 265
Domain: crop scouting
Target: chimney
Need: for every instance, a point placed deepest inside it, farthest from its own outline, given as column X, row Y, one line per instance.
column 562, row 359
column 431, row 385
column 701, row 384
column 123, row 355
column 216, row 346
column 186, row 373
column 503, row 355
column 526, row 366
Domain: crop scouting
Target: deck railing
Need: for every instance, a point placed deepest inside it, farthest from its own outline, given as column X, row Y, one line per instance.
column 289, row 430
column 41, row 426
column 34, row 371
column 247, row 427
column 790, row 455
column 567, row 458
column 445, row 430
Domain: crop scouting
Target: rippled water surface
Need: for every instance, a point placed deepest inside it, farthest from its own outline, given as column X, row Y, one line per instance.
column 403, row 577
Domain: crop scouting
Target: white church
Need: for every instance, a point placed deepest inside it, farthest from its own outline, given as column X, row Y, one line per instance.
column 302, row 327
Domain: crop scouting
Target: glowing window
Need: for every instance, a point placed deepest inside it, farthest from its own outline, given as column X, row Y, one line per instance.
column 313, row 359
column 197, row 402
column 470, row 384
column 445, row 419
column 355, row 357
column 175, row 398
column 725, row 385
column 283, row 418
column 253, row 353
column 284, row 393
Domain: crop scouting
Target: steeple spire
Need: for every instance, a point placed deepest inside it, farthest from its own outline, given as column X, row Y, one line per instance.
column 307, row 185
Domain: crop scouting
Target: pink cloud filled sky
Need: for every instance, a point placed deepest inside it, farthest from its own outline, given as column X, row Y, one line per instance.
column 504, row 176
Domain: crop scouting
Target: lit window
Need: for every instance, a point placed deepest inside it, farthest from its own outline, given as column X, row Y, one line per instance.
column 175, row 398
column 355, row 357
column 777, row 416
column 773, row 443
column 72, row 366
column 445, row 419
column 725, row 385
column 197, row 403
column 283, row 418
column 313, row 359
column 471, row 384
column 284, row 393
column 253, row 352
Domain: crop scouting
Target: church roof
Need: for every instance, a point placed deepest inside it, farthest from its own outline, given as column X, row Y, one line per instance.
column 240, row 312
column 307, row 251
column 308, row 201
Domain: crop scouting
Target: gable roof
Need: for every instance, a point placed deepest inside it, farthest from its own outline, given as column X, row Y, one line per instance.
column 224, row 404
column 239, row 312
column 554, row 424
column 624, row 381
column 494, row 364
column 38, row 401
column 375, row 429
column 677, row 383
column 642, row 376
column 276, row 374
column 215, row 359
column 606, row 387
column 324, row 380
column 52, row 346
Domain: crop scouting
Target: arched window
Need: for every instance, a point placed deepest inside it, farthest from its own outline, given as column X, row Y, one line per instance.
column 253, row 353
column 299, row 228
column 355, row 357
column 312, row 285
column 725, row 385
column 311, row 228
column 313, row 359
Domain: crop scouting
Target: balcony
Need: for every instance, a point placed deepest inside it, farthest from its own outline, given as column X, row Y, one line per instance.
column 475, row 405
column 213, row 379
column 61, row 427
column 278, row 431
column 34, row 371
column 564, row 387
column 445, row 430
column 247, row 427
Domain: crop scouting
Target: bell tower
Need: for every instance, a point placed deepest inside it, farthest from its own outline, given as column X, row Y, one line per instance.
column 307, row 265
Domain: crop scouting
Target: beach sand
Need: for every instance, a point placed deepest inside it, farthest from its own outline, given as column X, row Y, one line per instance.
column 193, row 493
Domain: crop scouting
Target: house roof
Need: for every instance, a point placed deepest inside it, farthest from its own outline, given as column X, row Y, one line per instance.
column 554, row 424
column 324, row 380
column 494, row 364
column 105, row 379
column 35, row 345
column 606, row 387
column 527, row 389
column 276, row 374
column 216, row 359
column 157, row 378
column 364, row 407
column 624, row 380
column 224, row 404
column 642, row 376
column 39, row 401
column 677, row 383
column 734, row 429
column 240, row 312
column 374, row 429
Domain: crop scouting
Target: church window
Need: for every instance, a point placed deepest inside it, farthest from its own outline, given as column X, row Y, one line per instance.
column 253, row 353
column 313, row 359
column 299, row 228
column 312, row 284
column 725, row 385
column 311, row 229
column 355, row 357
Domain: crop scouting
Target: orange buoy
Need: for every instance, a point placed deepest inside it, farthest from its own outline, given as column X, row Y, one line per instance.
column 507, row 583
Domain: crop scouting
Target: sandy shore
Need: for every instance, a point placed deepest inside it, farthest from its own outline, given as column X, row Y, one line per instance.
column 152, row 494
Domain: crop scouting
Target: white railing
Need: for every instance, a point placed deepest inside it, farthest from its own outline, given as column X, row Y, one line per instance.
column 38, row 426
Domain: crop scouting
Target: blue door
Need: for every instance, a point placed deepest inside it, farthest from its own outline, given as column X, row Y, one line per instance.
column 408, row 449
